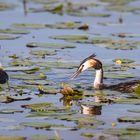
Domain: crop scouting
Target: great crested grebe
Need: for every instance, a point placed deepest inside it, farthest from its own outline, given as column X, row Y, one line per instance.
column 4, row 76
column 92, row 62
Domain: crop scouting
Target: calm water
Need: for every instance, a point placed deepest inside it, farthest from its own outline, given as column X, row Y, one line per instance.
column 109, row 113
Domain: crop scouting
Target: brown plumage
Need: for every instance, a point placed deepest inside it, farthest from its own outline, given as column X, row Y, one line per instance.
column 127, row 87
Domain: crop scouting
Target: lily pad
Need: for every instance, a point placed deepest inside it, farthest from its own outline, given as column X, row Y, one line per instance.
column 123, row 35
column 42, row 52
column 129, row 119
column 121, row 8
column 49, row 45
column 124, row 61
column 6, row 6
column 26, row 77
column 123, row 45
column 70, row 37
column 37, row 106
column 109, row 24
column 83, row 14
column 121, row 132
column 89, row 135
column 57, row 8
column 47, row 90
column 134, row 110
column 101, row 40
column 134, row 127
column 118, row 76
column 42, row 137
column 21, row 68
column 13, row 31
column 82, row 122
column 43, row 125
column 11, row 127
column 45, row 2
column 58, row 65
column 107, row 42
column 10, row 111
column 4, row 137
column 28, row 25
column 21, row 63
column 51, row 112
column 127, row 101
column 8, row 37
column 36, row 82
column 9, row 99
column 65, row 25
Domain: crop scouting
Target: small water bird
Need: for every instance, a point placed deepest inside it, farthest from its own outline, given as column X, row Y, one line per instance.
column 92, row 62
column 4, row 76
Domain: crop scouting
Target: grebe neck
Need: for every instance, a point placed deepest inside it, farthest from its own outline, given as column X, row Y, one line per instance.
column 98, row 82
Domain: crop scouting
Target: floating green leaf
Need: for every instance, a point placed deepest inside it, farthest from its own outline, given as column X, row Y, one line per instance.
column 49, row 45
column 21, row 68
column 8, row 37
column 82, row 122
column 121, row 8
column 6, row 6
column 123, row 34
column 21, row 63
column 45, row 2
column 28, row 25
column 58, row 65
column 124, row 61
column 44, row 125
column 118, row 76
column 134, row 110
column 57, row 9
column 37, row 106
column 10, row 111
column 123, row 45
column 37, row 82
column 13, row 31
column 70, row 37
column 128, row 101
column 129, row 119
column 4, row 137
column 121, row 132
column 9, row 99
column 101, row 40
column 89, row 135
column 65, row 25
column 83, row 14
column 42, row 52
column 26, row 77
column 43, row 137
column 51, row 112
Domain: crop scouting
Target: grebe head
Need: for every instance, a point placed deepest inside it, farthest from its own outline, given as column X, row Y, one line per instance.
column 91, row 62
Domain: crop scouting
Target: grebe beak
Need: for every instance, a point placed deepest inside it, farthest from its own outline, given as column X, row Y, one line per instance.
column 78, row 71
